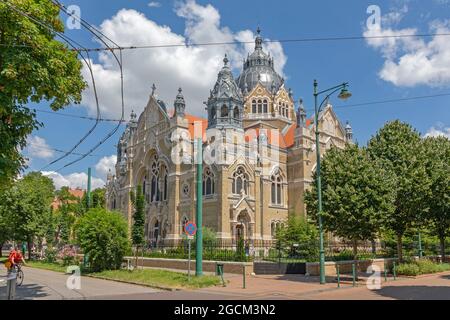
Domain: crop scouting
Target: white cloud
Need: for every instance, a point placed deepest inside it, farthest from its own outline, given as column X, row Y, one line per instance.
column 412, row 61
column 73, row 180
column 193, row 68
column 154, row 4
column 105, row 164
column 37, row 147
column 437, row 132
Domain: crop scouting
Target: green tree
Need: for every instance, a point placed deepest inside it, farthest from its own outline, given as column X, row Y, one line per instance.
column 65, row 216
column 103, row 237
column 437, row 150
column 99, row 198
column 399, row 149
column 33, row 67
column 357, row 195
column 300, row 236
column 26, row 208
column 137, row 230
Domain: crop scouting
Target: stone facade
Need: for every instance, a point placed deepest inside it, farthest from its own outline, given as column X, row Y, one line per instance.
column 259, row 155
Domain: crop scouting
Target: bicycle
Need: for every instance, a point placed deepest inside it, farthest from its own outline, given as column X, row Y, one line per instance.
column 19, row 274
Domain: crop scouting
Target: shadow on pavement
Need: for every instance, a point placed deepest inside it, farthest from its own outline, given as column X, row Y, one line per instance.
column 415, row 292
column 25, row 292
column 446, row 276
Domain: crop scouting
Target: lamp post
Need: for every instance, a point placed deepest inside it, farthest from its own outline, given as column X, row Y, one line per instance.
column 344, row 95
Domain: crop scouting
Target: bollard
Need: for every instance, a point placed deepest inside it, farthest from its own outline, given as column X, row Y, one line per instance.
column 394, row 271
column 338, row 276
column 354, row 274
column 11, row 285
column 221, row 275
column 243, row 277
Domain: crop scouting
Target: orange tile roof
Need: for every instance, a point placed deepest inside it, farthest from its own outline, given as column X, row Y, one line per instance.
column 282, row 141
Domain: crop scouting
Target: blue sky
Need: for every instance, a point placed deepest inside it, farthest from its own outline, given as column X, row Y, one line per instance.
column 376, row 70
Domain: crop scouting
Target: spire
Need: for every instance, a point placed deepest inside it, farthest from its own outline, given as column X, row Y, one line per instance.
column 179, row 104
column 225, row 61
column 348, row 132
column 132, row 116
column 133, row 121
column 258, row 40
column 301, row 114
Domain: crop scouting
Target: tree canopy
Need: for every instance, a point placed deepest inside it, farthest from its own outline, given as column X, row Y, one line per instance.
column 399, row 149
column 357, row 194
column 33, row 67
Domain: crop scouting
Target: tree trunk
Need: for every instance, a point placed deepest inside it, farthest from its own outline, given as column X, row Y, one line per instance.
column 1, row 249
column 29, row 247
column 400, row 247
column 136, row 256
column 442, row 246
column 355, row 249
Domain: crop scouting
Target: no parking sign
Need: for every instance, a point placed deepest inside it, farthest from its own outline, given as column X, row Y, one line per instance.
column 190, row 228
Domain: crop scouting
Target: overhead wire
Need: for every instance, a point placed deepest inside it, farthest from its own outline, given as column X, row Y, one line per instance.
column 72, row 43
column 98, row 34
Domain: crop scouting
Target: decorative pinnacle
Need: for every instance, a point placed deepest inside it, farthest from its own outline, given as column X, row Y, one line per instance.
column 258, row 30
column 225, row 60
column 153, row 89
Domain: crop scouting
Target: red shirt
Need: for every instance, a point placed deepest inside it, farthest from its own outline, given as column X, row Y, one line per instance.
column 15, row 256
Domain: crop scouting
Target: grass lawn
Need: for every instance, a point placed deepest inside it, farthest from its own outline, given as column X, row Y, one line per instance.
column 47, row 266
column 160, row 278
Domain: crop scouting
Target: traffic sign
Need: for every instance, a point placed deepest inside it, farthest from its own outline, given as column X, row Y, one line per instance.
column 190, row 228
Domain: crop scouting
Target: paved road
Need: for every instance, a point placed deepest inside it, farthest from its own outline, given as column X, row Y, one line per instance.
column 43, row 284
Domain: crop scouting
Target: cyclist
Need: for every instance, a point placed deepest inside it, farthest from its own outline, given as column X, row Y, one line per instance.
column 15, row 257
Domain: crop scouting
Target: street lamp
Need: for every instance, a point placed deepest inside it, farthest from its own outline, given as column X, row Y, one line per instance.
column 344, row 95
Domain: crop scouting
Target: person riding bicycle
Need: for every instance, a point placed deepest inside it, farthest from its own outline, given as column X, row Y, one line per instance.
column 15, row 257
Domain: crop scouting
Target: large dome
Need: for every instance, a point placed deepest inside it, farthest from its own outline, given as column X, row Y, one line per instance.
column 259, row 68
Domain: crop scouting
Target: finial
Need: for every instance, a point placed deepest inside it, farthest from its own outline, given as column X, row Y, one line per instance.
column 179, row 90
column 225, row 60
column 258, row 30
column 153, row 89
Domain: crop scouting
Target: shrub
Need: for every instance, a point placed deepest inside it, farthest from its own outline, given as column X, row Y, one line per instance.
column 298, row 239
column 103, row 237
column 50, row 255
column 408, row 269
column 68, row 255
column 422, row 266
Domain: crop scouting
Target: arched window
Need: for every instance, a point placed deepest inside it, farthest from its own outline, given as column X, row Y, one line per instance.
column 154, row 194
column 240, row 181
column 183, row 224
column 276, row 188
column 265, row 106
column 224, row 111
column 236, row 112
column 162, row 183
column 208, row 182
column 212, row 116
column 144, row 187
column 259, row 106
column 165, row 187
column 254, row 106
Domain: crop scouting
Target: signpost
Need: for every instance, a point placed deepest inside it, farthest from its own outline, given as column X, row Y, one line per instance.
column 190, row 228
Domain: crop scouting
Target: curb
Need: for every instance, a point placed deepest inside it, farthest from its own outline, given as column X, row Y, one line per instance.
column 135, row 283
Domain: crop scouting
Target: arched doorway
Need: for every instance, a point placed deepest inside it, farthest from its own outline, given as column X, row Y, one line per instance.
column 242, row 228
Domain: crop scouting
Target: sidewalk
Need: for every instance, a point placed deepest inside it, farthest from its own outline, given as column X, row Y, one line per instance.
column 435, row 286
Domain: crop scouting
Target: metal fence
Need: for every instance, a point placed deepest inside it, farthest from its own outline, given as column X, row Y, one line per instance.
column 290, row 252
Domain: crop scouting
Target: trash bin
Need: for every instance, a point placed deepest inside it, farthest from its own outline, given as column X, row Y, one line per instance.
column 219, row 269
